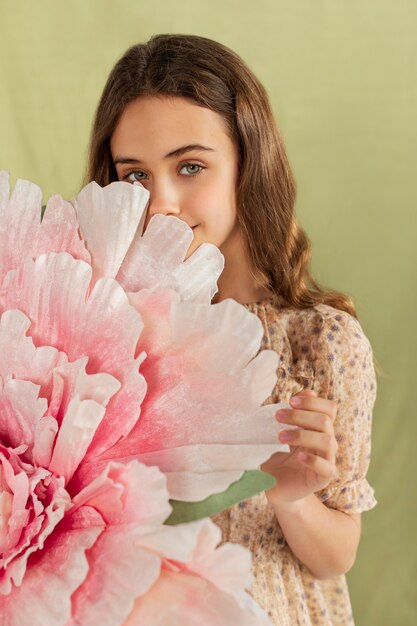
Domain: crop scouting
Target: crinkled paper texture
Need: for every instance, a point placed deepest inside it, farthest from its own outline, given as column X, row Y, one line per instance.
column 121, row 387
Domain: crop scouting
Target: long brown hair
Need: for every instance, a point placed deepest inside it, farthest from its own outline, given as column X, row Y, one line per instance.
column 211, row 75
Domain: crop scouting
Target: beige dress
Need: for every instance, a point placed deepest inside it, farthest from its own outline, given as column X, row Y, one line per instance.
column 322, row 349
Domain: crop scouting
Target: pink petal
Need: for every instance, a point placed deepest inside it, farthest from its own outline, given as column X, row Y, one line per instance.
column 59, row 231
column 118, row 572
column 17, row 558
column 53, row 574
column 228, row 567
column 75, row 435
column 45, row 433
column 188, row 370
column 226, row 328
column 178, row 599
column 19, row 358
column 72, row 380
column 192, row 547
column 23, row 234
column 52, row 291
column 20, row 411
column 109, row 218
column 155, row 261
column 155, row 312
column 122, row 413
column 57, row 404
column 14, row 490
column 128, row 493
column 112, row 329
column 201, row 453
column 194, row 472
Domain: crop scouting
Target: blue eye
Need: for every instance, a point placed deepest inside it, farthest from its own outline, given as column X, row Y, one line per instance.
column 191, row 169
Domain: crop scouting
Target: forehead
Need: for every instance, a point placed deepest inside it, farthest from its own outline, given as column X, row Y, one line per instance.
column 155, row 124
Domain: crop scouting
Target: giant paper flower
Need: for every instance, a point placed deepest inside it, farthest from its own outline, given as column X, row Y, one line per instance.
column 108, row 361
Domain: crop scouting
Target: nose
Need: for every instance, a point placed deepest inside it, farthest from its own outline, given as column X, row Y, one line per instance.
column 163, row 200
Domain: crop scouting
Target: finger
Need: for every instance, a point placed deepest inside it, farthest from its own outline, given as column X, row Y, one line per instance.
column 319, row 405
column 318, row 465
column 323, row 444
column 320, row 422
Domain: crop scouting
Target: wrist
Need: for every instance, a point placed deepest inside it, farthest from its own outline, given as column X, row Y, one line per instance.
column 293, row 507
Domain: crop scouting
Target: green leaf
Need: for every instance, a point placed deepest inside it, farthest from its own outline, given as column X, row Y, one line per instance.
column 252, row 482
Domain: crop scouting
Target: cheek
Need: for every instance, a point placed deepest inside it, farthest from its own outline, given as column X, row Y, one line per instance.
column 213, row 203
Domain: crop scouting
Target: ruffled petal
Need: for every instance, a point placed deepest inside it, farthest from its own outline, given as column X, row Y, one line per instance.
column 155, row 261
column 19, row 358
column 192, row 547
column 127, row 493
column 179, row 599
column 53, row 292
column 199, row 584
column 71, row 379
column 20, row 410
column 89, row 520
column 51, row 578
column 109, row 217
column 118, row 572
column 15, row 561
column 197, row 471
column 185, row 376
column 75, row 435
column 45, row 433
column 23, row 234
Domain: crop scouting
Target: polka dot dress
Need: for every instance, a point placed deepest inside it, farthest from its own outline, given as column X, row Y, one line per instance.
column 323, row 349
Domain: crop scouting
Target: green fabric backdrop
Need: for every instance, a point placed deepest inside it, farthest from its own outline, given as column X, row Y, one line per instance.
column 342, row 78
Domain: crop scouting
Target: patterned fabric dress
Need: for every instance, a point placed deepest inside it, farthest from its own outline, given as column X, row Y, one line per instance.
column 323, row 349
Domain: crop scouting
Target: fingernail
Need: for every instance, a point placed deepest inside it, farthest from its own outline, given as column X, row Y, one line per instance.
column 281, row 415
column 285, row 435
column 295, row 401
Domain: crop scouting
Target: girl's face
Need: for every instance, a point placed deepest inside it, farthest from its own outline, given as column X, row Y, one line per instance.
column 182, row 154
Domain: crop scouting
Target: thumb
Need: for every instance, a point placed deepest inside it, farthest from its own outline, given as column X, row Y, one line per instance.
column 308, row 392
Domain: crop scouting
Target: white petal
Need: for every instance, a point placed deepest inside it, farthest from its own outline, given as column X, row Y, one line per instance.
column 109, row 218
column 156, row 261
column 77, row 430
column 4, row 190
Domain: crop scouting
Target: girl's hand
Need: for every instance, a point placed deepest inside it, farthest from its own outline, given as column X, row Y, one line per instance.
column 311, row 463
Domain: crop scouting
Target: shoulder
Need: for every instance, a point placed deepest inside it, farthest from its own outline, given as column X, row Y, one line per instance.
column 340, row 353
column 317, row 329
column 339, row 335
column 321, row 338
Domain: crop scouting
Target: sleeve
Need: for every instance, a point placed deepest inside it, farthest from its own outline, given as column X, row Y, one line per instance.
column 344, row 372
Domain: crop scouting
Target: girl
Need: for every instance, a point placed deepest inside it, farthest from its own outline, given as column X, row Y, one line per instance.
column 185, row 117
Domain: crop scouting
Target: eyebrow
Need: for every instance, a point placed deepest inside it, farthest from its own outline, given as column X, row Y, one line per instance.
column 175, row 153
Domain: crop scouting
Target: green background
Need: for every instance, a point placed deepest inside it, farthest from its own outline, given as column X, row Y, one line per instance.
column 342, row 78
